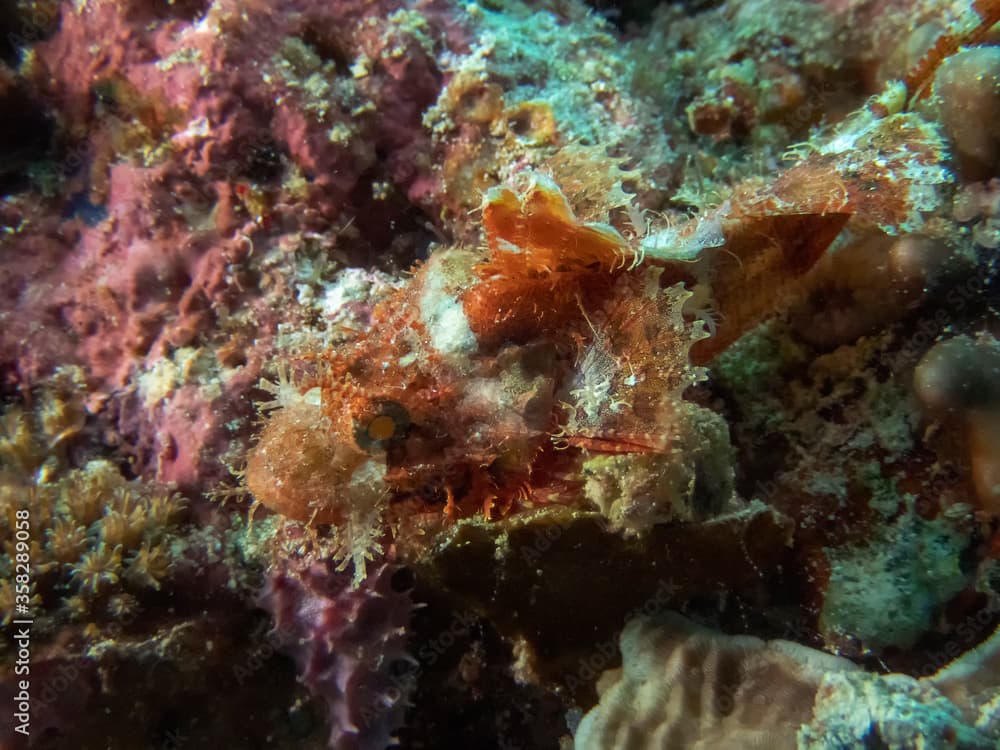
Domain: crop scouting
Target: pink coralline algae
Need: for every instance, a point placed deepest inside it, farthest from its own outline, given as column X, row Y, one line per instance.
column 178, row 130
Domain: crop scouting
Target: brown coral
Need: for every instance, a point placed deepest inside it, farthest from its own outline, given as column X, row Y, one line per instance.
column 98, row 568
column 684, row 687
column 149, row 565
column 967, row 95
column 958, row 381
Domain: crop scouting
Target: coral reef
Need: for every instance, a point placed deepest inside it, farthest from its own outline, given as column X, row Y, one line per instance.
column 123, row 591
column 369, row 370
column 98, row 540
column 684, row 686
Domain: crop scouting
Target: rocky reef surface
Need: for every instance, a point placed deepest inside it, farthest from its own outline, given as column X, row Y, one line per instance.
column 428, row 374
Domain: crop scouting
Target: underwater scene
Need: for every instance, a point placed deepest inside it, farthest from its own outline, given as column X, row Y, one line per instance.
column 500, row 374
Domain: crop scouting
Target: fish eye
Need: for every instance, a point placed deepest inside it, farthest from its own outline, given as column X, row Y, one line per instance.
column 381, row 423
column 382, row 427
